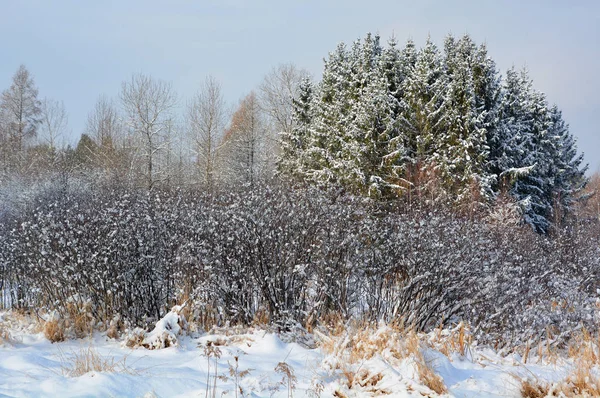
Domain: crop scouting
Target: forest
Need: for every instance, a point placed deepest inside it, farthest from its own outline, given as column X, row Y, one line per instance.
column 413, row 186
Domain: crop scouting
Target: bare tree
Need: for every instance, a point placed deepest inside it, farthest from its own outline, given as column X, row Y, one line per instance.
column 103, row 123
column 148, row 104
column 206, row 119
column 246, row 142
column 277, row 90
column 105, row 128
column 54, row 122
column 20, row 109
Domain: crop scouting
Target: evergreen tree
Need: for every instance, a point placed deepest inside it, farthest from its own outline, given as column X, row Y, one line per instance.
column 294, row 143
column 325, row 141
column 568, row 171
column 461, row 149
column 424, row 91
column 384, row 119
column 524, row 149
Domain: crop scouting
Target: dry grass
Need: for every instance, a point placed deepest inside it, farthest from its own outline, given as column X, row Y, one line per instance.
column 79, row 319
column 429, row 378
column 585, row 348
column 15, row 322
column 333, row 322
column 288, row 379
column 89, row 360
column 581, row 383
column 202, row 317
column 115, row 328
column 583, row 351
column 76, row 321
column 448, row 341
column 534, row 389
column 426, row 374
column 261, row 318
column 355, row 346
column 54, row 330
column 5, row 336
column 136, row 338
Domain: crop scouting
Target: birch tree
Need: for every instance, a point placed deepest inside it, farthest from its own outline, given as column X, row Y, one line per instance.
column 148, row 104
column 206, row 120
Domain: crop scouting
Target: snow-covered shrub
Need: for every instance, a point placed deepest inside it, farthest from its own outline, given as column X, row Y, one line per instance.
column 293, row 256
column 164, row 334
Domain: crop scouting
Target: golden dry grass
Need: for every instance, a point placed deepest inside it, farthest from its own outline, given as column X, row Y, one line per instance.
column 355, row 346
column 456, row 340
column 582, row 381
column 89, row 360
column 5, row 336
column 80, row 320
column 54, row 331
column 136, row 338
column 534, row 389
column 261, row 318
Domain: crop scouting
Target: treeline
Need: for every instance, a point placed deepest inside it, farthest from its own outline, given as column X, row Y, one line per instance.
column 445, row 125
column 442, row 126
column 146, row 135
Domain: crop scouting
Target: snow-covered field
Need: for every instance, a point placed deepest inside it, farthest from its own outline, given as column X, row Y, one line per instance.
column 31, row 366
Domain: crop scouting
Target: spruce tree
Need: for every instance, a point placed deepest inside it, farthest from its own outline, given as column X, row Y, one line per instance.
column 461, row 149
column 294, row 143
column 424, row 92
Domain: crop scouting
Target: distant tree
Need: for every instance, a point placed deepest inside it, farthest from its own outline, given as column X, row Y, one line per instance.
column 54, row 124
column 103, row 123
column 423, row 90
column 206, row 121
column 568, row 168
column 148, row 104
column 85, row 154
column 588, row 207
column 293, row 143
column 277, row 91
column 332, row 103
column 460, row 149
column 105, row 127
column 20, row 110
column 246, row 142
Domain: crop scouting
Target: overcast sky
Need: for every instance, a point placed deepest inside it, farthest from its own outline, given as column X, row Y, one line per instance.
column 78, row 50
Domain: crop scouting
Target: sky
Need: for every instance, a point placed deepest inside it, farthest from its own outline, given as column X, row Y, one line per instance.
column 78, row 50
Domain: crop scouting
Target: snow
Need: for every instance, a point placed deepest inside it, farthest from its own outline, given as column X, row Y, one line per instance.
column 166, row 331
column 32, row 366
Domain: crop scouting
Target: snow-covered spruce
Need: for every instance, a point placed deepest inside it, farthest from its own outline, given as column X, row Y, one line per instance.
column 388, row 122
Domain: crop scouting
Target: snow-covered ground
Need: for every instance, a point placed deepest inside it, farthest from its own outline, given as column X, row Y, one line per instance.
column 31, row 366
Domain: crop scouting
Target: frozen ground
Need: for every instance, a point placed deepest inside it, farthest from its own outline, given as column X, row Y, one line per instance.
column 31, row 366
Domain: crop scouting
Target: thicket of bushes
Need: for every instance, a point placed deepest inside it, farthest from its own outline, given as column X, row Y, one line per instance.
column 294, row 256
